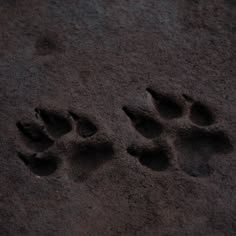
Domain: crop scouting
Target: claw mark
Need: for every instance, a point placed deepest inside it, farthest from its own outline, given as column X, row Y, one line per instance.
column 145, row 125
column 56, row 124
column 167, row 106
column 34, row 136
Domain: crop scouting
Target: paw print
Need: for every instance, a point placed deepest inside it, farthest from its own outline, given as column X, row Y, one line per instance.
column 183, row 132
column 52, row 134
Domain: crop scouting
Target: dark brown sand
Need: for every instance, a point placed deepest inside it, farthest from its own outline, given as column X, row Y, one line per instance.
column 117, row 117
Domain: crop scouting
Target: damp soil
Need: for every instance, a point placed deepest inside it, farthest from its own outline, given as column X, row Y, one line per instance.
column 117, row 117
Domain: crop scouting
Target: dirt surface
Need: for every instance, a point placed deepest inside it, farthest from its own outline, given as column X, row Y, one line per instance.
column 117, row 117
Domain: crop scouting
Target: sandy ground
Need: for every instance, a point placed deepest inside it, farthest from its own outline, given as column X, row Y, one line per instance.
column 117, row 117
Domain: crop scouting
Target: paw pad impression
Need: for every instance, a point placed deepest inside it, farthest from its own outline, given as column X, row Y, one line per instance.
column 194, row 144
column 41, row 135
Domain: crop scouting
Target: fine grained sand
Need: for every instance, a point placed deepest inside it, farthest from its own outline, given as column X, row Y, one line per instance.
column 117, row 117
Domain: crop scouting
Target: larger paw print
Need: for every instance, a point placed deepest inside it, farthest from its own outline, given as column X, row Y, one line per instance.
column 182, row 128
column 42, row 136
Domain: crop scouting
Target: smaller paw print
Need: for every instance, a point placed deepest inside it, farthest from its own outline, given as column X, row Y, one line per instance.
column 183, row 132
column 52, row 134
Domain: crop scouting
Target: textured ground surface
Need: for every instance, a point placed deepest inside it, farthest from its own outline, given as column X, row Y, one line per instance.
column 117, row 117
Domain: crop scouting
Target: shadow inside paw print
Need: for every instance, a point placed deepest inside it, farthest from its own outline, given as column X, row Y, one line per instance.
column 39, row 136
column 197, row 146
column 88, row 157
column 201, row 115
column 85, row 128
column 194, row 145
column 156, row 159
column 56, row 124
column 41, row 166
